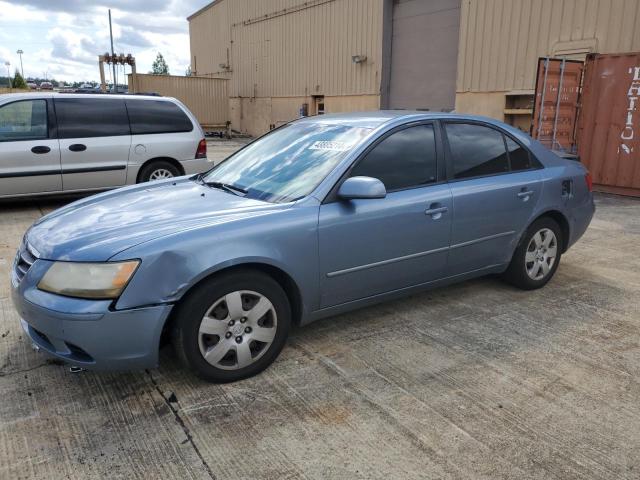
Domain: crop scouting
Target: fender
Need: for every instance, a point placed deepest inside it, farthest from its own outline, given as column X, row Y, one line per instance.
column 288, row 242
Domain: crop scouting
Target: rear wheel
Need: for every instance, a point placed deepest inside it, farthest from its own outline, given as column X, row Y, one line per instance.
column 158, row 170
column 537, row 257
column 233, row 326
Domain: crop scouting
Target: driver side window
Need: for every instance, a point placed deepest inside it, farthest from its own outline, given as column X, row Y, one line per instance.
column 405, row 159
column 23, row 120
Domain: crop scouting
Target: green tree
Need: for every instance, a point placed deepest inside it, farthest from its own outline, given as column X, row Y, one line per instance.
column 159, row 66
column 187, row 72
column 18, row 81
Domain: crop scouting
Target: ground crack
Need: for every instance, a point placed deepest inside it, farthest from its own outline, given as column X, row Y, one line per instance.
column 180, row 421
column 25, row 370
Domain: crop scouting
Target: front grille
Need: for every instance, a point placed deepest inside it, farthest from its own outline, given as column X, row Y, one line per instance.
column 24, row 260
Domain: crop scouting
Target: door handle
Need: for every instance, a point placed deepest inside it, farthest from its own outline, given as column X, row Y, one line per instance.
column 525, row 193
column 436, row 210
column 77, row 147
column 40, row 149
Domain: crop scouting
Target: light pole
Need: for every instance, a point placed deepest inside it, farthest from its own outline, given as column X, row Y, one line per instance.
column 20, row 52
column 8, row 65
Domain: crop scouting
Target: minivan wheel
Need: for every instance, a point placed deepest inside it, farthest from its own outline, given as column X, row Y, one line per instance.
column 158, row 170
column 537, row 257
column 232, row 326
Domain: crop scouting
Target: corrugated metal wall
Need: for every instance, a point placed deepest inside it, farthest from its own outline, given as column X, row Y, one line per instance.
column 289, row 48
column 501, row 40
column 207, row 98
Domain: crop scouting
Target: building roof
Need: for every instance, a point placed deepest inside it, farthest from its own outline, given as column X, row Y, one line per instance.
column 206, row 7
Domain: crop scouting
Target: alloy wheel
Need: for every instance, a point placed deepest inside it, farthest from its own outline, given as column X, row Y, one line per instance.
column 160, row 174
column 237, row 330
column 541, row 254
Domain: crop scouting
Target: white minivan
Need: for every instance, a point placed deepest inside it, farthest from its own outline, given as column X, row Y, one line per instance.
column 68, row 143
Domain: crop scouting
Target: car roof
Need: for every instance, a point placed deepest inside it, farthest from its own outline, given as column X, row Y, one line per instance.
column 375, row 119
column 27, row 95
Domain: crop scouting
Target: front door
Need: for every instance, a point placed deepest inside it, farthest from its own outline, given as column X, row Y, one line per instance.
column 369, row 247
column 29, row 151
column 495, row 187
column 95, row 140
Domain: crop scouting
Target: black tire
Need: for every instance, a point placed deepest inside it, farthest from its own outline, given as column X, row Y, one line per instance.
column 190, row 312
column 148, row 171
column 517, row 272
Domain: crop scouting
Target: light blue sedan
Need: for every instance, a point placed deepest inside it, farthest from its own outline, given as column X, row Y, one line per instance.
column 319, row 217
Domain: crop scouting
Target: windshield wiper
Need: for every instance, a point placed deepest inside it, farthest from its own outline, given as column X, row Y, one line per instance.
column 241, row 192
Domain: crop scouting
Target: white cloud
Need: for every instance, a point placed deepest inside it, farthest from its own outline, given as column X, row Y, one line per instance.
column 63, row 38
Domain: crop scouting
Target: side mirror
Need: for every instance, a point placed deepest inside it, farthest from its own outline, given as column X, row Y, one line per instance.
column 362, row 187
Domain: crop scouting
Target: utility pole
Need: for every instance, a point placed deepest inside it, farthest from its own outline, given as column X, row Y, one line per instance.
column 20, row 52
column 113, row 64
column 8, row 72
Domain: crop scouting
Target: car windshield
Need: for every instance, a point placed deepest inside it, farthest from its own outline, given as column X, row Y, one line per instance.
column 287, row 164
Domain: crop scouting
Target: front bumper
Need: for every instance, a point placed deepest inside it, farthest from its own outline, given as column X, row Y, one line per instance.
column 108, row 340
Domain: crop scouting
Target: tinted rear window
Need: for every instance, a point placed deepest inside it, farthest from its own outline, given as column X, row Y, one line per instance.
column 476, row 150
column 518, row 156
column 91, row 117
column 157, row 116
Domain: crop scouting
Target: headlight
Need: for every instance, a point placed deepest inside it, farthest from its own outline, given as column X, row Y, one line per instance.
column 88, row 280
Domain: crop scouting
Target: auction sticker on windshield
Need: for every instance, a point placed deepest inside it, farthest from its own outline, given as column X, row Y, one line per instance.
column 331, row 146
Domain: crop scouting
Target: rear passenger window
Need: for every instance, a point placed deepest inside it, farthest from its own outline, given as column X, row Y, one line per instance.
column 476, row 150
column 518, row 156
column 157, row 116
column 91, row 117
column 405, row 159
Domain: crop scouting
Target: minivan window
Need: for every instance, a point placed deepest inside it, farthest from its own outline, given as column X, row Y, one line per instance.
column 476, row 150
column 518, row 156
column 23, row 120
column 404, row 159
column 91, row 117
column 288, row 163
column 157, row 116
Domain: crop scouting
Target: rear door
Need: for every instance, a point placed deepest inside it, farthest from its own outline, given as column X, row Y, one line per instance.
column 495, row 185
column 29, row 151
column 95, row 139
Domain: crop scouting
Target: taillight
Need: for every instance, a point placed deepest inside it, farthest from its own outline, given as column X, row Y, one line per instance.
column 201, row 152
column 589, row 180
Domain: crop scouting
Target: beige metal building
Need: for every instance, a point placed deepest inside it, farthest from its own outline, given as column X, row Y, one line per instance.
column 284, row 56
column 479, row 56
column 501, row 41
column 207, row 98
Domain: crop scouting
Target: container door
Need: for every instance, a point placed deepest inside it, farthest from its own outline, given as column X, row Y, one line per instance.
column 95, row 139
column 29, row 151
column 609, row 124
column 556, row 103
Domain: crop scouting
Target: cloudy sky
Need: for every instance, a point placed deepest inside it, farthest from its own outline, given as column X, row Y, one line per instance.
column 63, row 38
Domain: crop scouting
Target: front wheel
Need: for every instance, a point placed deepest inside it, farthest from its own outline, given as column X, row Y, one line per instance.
column 233, row 326
column 537, row 256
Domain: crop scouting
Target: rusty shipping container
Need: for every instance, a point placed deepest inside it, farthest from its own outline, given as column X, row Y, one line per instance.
column 609, row 122
column 556, row 100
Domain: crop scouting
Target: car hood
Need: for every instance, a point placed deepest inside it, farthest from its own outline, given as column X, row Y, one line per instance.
column 99, row 227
